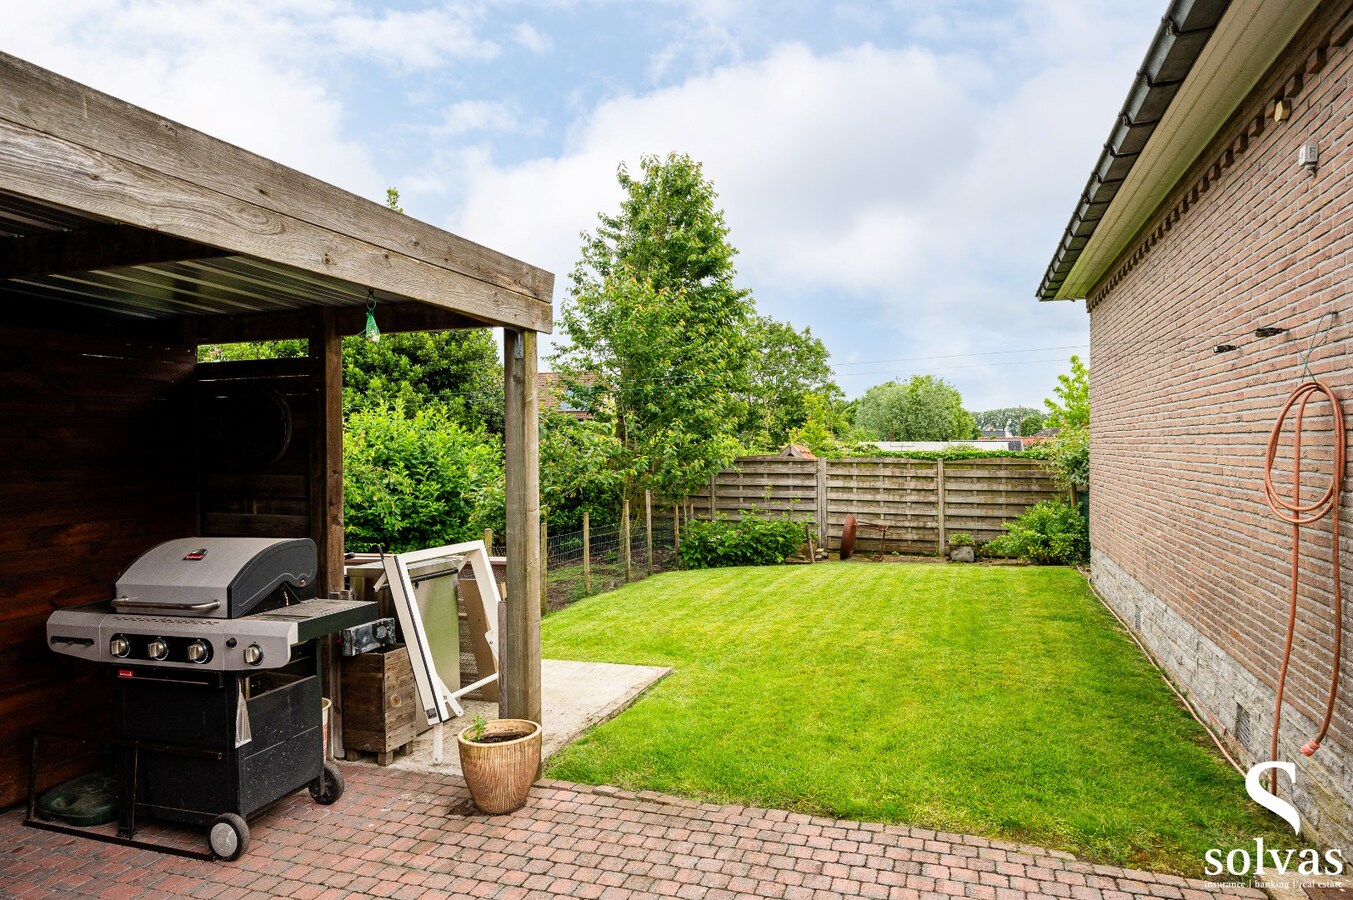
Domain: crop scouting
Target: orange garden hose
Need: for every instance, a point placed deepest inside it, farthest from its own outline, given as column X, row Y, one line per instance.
column 1297, row 514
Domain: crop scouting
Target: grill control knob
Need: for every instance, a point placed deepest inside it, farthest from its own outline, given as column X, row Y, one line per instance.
column 253, row 654
column 199, row 652
column 157, row 649
column 119, row 646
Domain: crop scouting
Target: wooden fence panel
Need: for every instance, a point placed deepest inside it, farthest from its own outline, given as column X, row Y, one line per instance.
column 920, row 500
column 900, row 493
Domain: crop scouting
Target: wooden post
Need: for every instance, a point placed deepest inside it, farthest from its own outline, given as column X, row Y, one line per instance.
column 648, row 527
column 326, row 486
column 488, row 541
column 939, row 506
column 520, row 668
column 676, row 528
column 544, row 568
column 625, row 533
column 712, row 507
column 587, row 553
column 820, row 492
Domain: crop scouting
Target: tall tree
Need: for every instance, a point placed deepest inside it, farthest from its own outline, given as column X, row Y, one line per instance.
column 1071, row 409
column 926, row 408
column 788, row 370
column 1070, row 412
column 657, row 329
column 1010, row 418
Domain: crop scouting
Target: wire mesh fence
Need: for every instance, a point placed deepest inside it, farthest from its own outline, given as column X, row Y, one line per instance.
column 580, row 564
column 584, row 562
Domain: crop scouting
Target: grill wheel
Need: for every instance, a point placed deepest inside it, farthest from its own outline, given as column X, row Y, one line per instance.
column 228, row 836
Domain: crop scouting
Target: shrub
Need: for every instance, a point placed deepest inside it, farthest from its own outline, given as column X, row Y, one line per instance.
column 962, row 539
column 1070, row 456
column 417, row 480
column 753, row 541
column 1050, row 533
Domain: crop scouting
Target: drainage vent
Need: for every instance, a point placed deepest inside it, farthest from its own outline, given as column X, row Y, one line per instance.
column 1242, row 726
column 1137, row 619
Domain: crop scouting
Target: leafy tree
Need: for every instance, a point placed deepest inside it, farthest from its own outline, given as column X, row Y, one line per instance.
column 1071, row 409
column 827, row 426
column 1070, row 412
column 926, row 408
column 457, row 370
column 1008, row 418
column 577, row 471
column 658, row 331
column 788, row 369
column 1031, row 424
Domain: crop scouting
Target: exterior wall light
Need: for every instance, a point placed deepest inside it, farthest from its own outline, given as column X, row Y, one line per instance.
column 1308, row 157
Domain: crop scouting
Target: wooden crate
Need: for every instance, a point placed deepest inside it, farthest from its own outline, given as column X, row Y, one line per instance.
column 380, row 704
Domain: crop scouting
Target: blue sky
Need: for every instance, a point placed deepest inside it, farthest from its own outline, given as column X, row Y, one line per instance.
column 895, row 175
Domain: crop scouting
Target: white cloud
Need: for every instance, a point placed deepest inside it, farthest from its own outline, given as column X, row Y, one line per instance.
column 258, row 74
column 886, row 183
column 530, row 38
column 467, row 116
column 416, row 40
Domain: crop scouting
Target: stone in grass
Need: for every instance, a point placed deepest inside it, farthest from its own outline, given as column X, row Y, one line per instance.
column 964, row 554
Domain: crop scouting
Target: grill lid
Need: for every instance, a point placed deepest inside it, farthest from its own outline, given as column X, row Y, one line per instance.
column 218, row 577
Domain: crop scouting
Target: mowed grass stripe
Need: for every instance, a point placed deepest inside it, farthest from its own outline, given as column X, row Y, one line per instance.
column 1000, row 701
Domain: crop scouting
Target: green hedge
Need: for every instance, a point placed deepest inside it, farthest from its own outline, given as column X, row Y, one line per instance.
column 753, row 541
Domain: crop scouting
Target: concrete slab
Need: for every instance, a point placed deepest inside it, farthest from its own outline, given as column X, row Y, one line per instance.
column 575, row 696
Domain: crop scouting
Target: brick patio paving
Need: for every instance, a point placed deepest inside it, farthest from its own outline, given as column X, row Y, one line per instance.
column 391, row 835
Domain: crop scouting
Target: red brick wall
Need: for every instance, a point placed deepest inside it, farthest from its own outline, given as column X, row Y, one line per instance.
column 1178, row 432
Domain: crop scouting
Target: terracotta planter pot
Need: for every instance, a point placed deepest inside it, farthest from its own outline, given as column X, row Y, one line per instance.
column 500, row 775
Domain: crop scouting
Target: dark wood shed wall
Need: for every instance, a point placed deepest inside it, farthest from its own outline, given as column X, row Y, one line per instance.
column 96, row 464
column 270, row 498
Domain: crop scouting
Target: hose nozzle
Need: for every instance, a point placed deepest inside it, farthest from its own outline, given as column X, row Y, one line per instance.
column 1311, row 746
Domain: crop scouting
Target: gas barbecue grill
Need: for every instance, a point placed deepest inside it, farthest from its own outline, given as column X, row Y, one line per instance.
column 217, row 699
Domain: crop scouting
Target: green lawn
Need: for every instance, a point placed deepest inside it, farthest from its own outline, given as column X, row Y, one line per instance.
column 1001, row 701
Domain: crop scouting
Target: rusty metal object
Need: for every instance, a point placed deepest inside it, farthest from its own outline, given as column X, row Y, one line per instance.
column 848, row 536
column 852, row 525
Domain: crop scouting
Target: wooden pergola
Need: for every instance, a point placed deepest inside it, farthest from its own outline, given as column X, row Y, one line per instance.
column 128, row 240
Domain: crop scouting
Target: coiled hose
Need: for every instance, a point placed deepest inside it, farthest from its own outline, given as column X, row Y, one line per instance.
column 1297, row 514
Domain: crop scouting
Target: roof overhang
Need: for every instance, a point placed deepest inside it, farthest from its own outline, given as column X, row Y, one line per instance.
column 109, row 208
column 1206, row 58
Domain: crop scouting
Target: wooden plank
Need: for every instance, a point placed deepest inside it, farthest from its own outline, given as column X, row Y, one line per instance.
column 939, row 507
column 253, row 525
column 392, row 318
column 99, row 247
column 326, row 451
column 48, row 103
column 520, row 684
column 105, row 185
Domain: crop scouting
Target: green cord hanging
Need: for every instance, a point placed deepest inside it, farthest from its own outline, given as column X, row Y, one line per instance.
column 372, row 332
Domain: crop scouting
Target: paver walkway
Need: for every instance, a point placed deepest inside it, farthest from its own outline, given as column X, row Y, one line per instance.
column 392, row 835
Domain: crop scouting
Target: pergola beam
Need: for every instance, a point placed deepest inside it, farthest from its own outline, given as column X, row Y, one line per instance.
column 91, row 249
column 65, row 144
column 391, row 318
